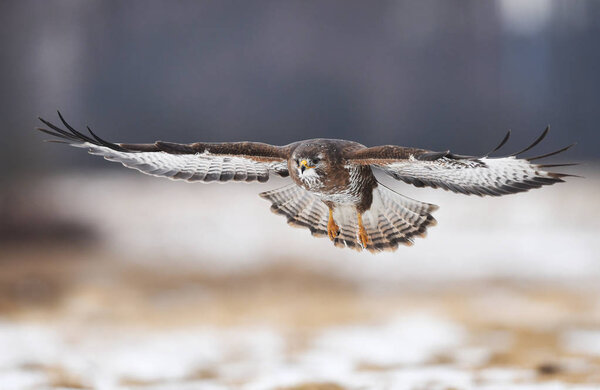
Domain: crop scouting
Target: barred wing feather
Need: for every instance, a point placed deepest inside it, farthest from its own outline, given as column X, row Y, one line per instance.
column 242, row 161
column 463, row 174
column 190, row 167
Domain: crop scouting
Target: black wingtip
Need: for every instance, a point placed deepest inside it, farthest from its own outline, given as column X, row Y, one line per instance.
column 504, row 140
column 60, row 133
column 45, row 122
column 75, row 136
column 106, row 143
column 72, row 130
column 537, row 141
column 552, row 153
column 561, row 175
column 57, row 135
column 557, row 165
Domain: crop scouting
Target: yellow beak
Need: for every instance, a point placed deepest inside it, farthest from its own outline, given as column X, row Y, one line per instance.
column 304, row 163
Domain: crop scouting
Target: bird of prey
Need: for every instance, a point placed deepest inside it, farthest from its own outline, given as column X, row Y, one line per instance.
column 334, row 192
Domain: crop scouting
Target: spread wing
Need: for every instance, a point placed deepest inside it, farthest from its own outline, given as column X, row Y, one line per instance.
column 463, row 174
column 204, row 162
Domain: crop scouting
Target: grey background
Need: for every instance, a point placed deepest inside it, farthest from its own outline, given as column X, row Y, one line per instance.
column 435, row 74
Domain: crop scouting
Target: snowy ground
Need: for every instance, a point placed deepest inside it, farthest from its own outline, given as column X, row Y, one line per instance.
column 201, row 287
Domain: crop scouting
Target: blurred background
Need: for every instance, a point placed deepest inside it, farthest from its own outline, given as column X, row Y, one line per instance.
column 111, row 279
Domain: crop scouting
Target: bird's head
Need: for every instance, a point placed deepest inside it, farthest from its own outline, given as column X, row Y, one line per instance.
column 309, row 161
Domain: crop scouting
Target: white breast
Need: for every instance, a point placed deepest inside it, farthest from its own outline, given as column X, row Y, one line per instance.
column 347, row 196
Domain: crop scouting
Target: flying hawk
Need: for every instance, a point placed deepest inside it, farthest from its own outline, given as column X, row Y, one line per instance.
column 334, row 192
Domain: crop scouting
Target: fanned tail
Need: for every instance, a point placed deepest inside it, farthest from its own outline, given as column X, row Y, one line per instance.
column 392, row 219
column 301, row 208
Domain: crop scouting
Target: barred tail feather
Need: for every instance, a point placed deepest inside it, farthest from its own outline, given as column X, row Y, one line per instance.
column 301, row 208
column 392, row 219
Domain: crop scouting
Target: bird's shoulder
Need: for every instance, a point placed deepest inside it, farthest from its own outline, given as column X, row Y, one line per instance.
column 342, row 145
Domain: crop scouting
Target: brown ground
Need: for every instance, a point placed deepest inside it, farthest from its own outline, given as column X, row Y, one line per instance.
column 91, row 287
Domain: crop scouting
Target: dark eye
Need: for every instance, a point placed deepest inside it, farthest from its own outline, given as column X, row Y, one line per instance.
column 298, row 162
column 316, row 161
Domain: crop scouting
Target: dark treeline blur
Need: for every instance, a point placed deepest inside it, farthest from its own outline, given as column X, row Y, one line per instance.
column 435, row 74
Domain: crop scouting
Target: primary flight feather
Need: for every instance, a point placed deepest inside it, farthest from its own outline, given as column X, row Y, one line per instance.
column 334, row 191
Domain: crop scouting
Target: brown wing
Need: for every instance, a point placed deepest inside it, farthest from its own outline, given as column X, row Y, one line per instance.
column 205, row 162
column 462, row 174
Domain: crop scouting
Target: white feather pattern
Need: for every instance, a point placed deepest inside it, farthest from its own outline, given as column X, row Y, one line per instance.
column 485, row 176
column 203, row 167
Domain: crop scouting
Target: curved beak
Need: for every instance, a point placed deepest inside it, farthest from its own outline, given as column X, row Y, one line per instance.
column 304, row 165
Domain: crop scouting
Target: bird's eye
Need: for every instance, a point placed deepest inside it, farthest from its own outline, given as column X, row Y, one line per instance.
column 316, row 161
column 298, row 162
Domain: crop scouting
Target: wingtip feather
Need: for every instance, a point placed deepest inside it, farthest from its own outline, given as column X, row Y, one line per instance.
column 537, row 141
column 504, row 140
column 551, row 153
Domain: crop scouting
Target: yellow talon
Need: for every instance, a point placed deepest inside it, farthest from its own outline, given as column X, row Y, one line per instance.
column 333, row 230
column 363, row 237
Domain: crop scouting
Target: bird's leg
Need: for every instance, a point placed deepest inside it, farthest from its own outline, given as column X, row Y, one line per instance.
column 363, row 237
column 332, row 228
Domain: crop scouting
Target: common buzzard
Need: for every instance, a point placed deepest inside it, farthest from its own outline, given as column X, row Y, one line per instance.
column 334, row 192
